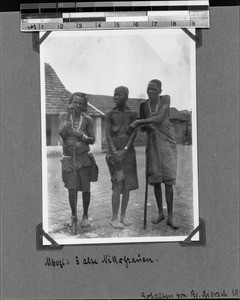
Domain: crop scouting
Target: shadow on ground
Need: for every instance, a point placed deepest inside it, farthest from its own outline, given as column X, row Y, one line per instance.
column 100, row 206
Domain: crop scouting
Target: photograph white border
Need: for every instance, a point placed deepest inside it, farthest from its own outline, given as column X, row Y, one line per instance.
column 74, row 240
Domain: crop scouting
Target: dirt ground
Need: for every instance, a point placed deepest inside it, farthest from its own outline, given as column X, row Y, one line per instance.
column 100, row 206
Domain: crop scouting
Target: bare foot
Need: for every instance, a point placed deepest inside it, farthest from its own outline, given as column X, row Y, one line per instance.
column 85, row 222
column 171, row 223
column 158, row 219
column 125, row 221
column 116, row 224
column 72, row 221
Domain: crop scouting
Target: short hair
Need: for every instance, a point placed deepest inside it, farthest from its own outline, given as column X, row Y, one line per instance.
column 82, row 95
column 124, row 89
column 157, row 82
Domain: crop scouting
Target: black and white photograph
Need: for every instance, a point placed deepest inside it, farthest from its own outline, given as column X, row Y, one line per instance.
column 119, row 136
column 120, row 150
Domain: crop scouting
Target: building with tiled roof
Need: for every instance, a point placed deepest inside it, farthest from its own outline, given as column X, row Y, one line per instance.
column 57, row 97
column 104, row 103
column 56, row 101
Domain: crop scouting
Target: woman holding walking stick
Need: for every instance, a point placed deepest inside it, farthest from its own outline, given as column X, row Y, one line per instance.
column 161, row 147
column 76, row 130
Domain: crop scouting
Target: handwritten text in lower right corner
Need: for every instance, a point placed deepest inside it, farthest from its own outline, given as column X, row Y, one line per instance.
column 204, row 294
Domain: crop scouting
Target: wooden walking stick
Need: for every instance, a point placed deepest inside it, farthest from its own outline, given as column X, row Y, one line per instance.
column 146, row 184
column 75, row 176
column 146, row 181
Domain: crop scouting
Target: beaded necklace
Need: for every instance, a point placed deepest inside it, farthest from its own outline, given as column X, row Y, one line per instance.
column 76, row 124
column 153, row 113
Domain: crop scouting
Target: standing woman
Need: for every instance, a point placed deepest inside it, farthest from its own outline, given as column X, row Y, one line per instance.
column 121, row 156
column 76, row 130
column 161, row 147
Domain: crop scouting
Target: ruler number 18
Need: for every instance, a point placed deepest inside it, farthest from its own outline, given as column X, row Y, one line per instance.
column 173, row 23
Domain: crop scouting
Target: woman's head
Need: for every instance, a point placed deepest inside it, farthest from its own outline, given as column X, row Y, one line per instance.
column 121, row 95
column 79, row 101
column 154, row 88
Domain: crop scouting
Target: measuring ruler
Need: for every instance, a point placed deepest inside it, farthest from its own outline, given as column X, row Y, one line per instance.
column 114, row 15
